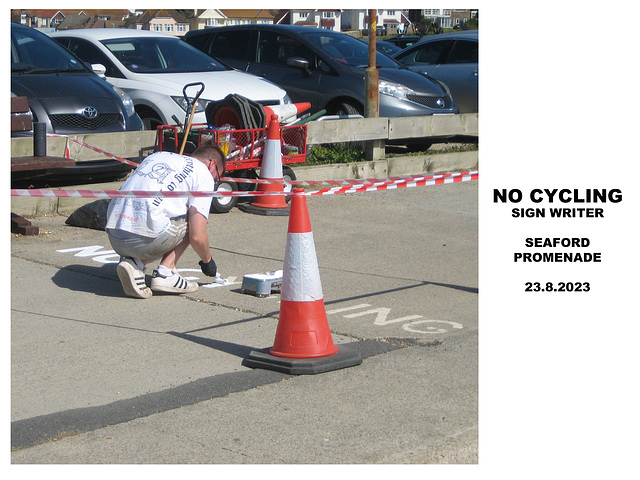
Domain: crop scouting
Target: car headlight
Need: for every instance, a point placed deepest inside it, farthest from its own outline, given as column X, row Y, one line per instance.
column 126, row 101
column 394, row 89
column 182, row 103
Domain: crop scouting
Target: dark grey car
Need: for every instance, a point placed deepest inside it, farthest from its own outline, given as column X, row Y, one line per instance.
column 65, row 95
column 323, row 67
column 62, row 91
column 451, row 58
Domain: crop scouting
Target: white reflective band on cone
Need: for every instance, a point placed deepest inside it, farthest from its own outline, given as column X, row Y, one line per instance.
column 301, row 280
column 271, row 166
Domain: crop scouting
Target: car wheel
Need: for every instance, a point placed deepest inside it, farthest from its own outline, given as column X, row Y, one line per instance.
column 287, row 174
column 150, row 119
column 226, row 203
column 347, row 108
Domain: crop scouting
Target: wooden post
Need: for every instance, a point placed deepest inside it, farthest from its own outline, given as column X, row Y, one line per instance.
column 371, row 75
column 373, row 149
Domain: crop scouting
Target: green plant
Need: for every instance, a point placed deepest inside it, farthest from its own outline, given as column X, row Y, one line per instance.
column 338, row 153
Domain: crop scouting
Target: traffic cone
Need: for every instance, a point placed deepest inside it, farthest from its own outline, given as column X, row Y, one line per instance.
column 270, row 169
column 287, row 112
column 303, row 343
column 303, row 330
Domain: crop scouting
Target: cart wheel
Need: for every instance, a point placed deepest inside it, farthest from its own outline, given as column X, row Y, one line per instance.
column 247, row 187
column 226, row 203
column 287, row 174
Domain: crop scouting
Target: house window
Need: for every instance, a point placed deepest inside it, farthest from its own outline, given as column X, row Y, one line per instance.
column 211, row 22
column 327, row 15
column 391, row 13
column 157, row 27
column 181, row 28
column 168, row 27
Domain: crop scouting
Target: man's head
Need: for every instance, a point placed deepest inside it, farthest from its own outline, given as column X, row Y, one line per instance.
column 213, row 157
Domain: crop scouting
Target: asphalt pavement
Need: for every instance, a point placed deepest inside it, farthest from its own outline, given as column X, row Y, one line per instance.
column 99, row 378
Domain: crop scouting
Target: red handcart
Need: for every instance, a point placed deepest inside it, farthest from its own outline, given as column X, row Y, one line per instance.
column 244, row 150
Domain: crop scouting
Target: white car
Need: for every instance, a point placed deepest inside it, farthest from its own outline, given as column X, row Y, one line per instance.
column 154, row 68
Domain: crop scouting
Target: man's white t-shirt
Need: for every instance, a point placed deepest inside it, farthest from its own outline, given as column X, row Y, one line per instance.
column 161, row 171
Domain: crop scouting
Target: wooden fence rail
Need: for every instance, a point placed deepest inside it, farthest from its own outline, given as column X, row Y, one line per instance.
column 136, row 145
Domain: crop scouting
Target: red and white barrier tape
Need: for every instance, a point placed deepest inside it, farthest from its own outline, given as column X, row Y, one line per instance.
column 350, row 182
column 95, row 149
column 370, row 186
column 417, row 181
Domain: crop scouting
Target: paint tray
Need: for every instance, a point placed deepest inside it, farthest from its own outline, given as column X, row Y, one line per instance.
column 262, row 284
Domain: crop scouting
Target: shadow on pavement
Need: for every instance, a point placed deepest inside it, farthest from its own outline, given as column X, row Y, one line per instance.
column 101, row 280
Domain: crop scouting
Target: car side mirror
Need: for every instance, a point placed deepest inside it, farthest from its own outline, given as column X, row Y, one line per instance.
column 99, row 69
column 299, row 63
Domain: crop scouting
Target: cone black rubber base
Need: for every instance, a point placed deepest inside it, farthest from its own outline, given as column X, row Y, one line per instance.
column 249, row 208
column 346, row 356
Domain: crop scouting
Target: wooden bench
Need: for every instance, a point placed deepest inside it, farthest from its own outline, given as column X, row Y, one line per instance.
column 39, row 163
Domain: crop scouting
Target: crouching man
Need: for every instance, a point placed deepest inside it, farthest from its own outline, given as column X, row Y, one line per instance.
column 142, row 230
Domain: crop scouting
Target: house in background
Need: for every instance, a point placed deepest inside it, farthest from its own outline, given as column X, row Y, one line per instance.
column 225, row 17
column 51, row 19
column 179, row 22
column 243, row 17
column 167, row 21
column 328, row 19
column 390, row 21
column 449, row 18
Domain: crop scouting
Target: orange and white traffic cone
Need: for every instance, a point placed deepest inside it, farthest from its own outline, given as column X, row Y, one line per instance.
column 303, row 343
column 303, row 330
column 270, row 169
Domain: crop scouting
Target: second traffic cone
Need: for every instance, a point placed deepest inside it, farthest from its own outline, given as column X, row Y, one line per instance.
column 287, row 112
column 270, row 169
column 303, row 343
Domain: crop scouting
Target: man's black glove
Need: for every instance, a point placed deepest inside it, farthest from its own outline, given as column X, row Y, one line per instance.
column 209, row 268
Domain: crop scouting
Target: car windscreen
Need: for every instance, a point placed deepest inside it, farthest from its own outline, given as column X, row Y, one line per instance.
column 348, row 50
column 32, row 52
column 161, row 55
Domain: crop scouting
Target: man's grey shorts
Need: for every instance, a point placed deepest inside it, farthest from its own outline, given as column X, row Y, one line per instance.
column 128, row 244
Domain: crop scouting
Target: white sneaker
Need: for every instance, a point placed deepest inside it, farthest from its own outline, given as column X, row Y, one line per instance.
column 132, row 279
column 173, row 284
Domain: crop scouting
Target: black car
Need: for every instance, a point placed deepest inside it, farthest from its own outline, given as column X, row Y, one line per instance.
column 404, row 41
column 323, row 67
column 62, row 91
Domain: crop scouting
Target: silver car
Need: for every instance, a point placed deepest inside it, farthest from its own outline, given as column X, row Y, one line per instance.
column 451, row 58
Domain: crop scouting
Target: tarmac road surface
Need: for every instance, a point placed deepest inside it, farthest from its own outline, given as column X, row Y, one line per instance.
column 101, row 378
